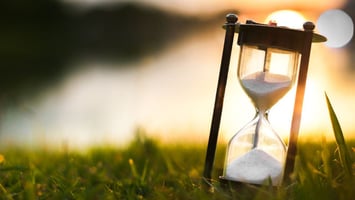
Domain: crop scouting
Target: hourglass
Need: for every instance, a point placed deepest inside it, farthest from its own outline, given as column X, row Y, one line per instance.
column 271, row 60
column 266, row 73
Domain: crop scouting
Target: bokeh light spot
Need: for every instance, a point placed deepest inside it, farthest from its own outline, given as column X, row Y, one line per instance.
column 337, row 26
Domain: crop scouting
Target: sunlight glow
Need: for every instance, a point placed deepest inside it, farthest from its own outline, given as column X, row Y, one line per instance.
column 288, row 18
column 262, row 5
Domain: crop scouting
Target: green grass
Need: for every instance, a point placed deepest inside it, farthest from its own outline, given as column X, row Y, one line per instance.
column 148, row 169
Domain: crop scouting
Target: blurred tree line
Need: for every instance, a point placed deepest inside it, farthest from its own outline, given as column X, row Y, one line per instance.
column 38, row 39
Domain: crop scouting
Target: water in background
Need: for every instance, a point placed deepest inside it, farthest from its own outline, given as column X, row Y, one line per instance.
column 167, row 91
column 100, row 100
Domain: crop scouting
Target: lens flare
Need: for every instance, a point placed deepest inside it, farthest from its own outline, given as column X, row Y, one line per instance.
column 337, row 26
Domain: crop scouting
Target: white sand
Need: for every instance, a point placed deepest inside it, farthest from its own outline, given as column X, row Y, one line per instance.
column 255, row 167
column 265, row 88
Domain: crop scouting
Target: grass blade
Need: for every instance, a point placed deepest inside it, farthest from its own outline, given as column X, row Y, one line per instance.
column 133, row 168
column 339, row 137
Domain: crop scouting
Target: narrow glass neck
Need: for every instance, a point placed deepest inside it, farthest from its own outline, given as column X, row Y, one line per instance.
column 261, row 114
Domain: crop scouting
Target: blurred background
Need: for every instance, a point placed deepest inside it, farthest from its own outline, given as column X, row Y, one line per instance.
column 94, row 72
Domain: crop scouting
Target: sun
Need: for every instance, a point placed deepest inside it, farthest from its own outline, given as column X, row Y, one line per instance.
column 288, row 18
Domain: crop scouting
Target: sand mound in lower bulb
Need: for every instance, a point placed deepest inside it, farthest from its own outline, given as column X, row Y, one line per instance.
column 255, row 167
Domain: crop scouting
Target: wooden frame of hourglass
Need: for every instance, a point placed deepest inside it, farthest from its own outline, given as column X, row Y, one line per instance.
column 266, row 36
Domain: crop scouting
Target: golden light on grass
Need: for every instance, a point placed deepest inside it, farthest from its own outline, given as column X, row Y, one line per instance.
column 2, row 158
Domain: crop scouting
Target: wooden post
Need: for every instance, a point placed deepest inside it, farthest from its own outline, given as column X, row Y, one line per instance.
column 222, row 81
column 297, row 112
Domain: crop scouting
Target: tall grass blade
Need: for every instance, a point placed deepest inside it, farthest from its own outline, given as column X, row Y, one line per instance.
column 345, row 158
column 133, row 168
